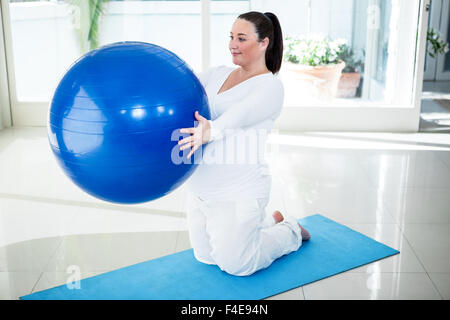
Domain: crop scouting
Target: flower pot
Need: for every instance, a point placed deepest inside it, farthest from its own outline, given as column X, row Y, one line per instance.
column 348, row 84
column 319, row 82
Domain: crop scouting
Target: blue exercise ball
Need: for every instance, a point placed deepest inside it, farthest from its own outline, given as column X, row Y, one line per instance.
column 114, row 121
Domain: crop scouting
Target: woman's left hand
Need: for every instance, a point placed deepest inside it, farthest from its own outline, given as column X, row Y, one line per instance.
column 199, row 135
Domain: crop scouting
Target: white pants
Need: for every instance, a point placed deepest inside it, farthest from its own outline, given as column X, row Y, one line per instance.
column 237, row 236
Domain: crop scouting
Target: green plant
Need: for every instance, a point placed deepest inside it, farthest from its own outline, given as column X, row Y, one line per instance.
column 352, row 64
column 436, row 44
column 313, row 50
column 86, row 18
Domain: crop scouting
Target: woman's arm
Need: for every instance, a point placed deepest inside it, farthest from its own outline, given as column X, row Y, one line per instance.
column 264, row 103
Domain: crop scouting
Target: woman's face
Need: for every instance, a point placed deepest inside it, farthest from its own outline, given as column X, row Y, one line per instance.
column 244, row 45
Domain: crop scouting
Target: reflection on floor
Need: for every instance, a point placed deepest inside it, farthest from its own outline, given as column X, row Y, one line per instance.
column 391, row 187
column 435, row 107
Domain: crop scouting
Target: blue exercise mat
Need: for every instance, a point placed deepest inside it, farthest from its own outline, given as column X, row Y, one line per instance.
column 332, row 249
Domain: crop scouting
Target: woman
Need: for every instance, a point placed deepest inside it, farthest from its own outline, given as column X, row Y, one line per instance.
column 226, row 212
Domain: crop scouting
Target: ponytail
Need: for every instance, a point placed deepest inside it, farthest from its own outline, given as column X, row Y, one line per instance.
column 274, row 56
column 267, row 25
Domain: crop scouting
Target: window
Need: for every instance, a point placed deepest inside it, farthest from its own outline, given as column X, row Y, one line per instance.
column 46, row 36
column 369, row 29
column 386, row 37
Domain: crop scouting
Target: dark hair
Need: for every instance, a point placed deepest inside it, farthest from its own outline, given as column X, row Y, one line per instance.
column 267, row 25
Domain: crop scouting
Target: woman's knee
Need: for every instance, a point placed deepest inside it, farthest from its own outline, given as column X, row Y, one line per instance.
column 234, row 265
column 236, row 270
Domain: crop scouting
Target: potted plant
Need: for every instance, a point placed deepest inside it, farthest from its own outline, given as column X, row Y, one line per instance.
column 435, row 44
column 315, row 62
column 86, row 20
column 351, row 74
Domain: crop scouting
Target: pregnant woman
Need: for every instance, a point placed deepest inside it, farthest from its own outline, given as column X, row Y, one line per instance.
column 230, row 189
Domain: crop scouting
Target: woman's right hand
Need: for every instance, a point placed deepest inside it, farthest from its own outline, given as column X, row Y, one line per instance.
column 200, row 134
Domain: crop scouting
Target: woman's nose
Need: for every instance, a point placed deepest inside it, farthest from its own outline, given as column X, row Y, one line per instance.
column 233, row 44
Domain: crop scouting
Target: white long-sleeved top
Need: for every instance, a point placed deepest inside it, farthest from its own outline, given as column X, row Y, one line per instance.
column 233, row 164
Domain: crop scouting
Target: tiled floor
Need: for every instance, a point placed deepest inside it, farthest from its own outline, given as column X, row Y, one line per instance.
column 394, row 188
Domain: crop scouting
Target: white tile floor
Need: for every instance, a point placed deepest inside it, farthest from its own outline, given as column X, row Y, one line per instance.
column 394, row 188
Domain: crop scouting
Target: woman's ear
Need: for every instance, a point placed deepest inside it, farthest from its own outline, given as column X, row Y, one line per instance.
column 264, row 43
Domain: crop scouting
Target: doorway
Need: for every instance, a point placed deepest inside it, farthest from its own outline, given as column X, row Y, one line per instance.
column 435, row 103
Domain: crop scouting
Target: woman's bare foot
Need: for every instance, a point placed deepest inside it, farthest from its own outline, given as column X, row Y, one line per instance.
column 278, row 217
column 305, row 234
